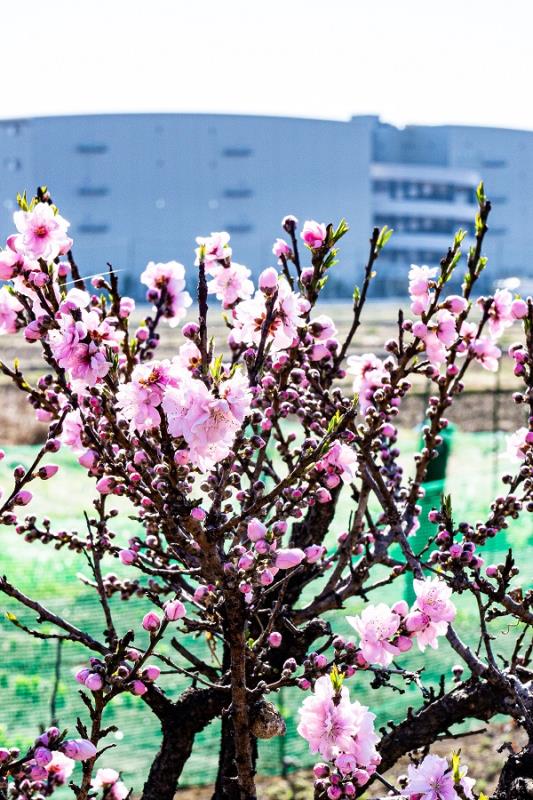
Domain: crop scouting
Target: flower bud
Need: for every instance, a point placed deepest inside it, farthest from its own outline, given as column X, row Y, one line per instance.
column 151, row 622
column 174, row 610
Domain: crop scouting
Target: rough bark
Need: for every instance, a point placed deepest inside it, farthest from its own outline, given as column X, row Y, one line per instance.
column 516, row 779
column 180, row 722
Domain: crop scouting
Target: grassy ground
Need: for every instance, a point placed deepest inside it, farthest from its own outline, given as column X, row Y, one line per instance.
column 26, row 667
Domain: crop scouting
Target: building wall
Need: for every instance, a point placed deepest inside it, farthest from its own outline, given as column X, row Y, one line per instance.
column 140, row 187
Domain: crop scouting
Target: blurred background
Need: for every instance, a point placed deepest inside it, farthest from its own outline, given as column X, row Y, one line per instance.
column 154, row 123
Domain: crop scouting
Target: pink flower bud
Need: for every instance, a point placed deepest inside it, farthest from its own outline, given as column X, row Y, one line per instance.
column 174, row 610
column 323, row 496
column 198, row 514
column 491, row 571
column 79, row 749
column 48, row 471
column 88, row 459
column 289, row 557
column 256, row 530
column 518, row 309
column 245, row 561
column 321, row 770
column 404, row 643
column 266, row 578
column 151, row 622
column 304, row 684
column 106, row 485
column 281, row 248
column 127, row 556
column 4, row 755
column 82, row 675
column 262, row 547
column 314, row 552
column 455, row 303
column 307, row 275
column 274, row 639
column 138, row 688
column 268, row 279
column 42, row 756
column 94, row 682
column 400, row 608
column 334, row 792
column 181, row 457
column 151, row 672
column 22, row 498
column 321, row 661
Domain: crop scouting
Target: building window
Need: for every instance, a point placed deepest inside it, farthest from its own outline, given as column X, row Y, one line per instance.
column 242, row 227
column 422, row 225
column 93, row 227
column 93, row 191
column 91, row 148
column 237, row 152
column 237, row 194
column 424, row 190
column 494, row 163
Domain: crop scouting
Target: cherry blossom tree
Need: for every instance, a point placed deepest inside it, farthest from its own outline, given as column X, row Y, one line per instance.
column 232, row 464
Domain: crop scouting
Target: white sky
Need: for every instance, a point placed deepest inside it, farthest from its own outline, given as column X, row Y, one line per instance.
column 411, row 61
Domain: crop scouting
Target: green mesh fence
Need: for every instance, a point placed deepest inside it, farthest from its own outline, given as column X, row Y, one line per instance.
column 27, row 667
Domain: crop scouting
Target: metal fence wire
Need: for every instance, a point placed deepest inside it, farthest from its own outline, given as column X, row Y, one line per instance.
column 28, row 666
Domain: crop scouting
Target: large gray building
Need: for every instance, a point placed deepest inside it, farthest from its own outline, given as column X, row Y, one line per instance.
column 140, row 187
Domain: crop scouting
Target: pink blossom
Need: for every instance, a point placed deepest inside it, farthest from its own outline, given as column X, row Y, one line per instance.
column 206, row 422
column 314, row 234
column 88, row 364
column 289, row 309
column 42, row 232
column 376, row 626
column 9, row 310
column 189, row 357
column 109, row 780
column 419, row 287
column 339, row 463
column 327, row 726
column 168, row 278
column 433, row 780
column 519, row 443
column 72, row 430
column 60, row 767
column 500, row 312
column 13, row 263
column 213, row 249
column 433, row 599
column 368, row 371
column 231, row 283
column 486, row 353
column 138, row 400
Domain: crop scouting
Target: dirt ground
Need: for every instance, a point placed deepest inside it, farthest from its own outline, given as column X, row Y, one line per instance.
column 479, row 752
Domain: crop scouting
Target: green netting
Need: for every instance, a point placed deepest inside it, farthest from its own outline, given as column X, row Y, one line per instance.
column 27, row 666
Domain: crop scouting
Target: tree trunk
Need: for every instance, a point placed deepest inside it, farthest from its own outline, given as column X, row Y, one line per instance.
column 180, row 722
column 516, row 779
